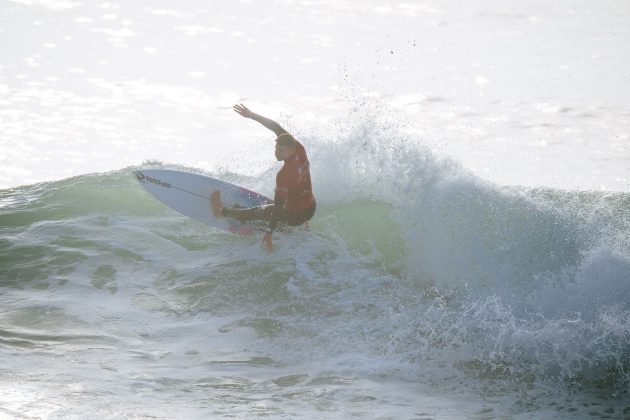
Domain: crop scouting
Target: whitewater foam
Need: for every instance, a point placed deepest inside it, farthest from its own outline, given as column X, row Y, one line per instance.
column 416, row 275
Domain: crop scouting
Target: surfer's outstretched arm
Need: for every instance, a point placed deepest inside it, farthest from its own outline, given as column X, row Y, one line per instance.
column 266, row 122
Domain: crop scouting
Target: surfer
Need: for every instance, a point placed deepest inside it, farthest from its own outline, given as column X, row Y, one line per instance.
column 293, row 202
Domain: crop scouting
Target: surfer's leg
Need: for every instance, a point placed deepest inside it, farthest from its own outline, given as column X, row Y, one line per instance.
column 301, row 217
column 241, row 214
column 262, row 213
column 215, row 203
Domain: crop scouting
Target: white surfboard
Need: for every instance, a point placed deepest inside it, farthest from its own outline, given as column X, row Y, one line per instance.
column 189, row 194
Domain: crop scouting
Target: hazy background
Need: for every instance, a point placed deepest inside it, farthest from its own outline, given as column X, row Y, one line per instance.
column 526, row 92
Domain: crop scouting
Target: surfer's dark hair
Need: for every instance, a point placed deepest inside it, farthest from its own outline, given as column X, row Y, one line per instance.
column 286, row 140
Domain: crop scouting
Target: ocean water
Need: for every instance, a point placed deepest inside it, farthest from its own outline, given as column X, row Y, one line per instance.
column 469, row 258
column 425, row 293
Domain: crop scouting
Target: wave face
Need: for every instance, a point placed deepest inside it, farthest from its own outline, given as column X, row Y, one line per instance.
column 416, row 273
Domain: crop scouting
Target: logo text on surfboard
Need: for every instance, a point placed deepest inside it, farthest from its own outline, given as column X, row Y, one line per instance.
column 144, row 178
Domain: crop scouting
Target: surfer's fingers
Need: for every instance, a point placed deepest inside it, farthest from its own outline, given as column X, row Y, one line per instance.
column 240, row 108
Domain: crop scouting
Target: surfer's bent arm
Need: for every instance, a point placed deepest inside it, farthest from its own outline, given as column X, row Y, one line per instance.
column 268, row 123
column 278, row 205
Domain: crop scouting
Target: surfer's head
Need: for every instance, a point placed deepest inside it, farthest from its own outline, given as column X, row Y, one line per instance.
column 285, row 146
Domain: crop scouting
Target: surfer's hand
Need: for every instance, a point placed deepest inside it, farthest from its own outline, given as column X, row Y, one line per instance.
column 243, row 110
column 268, row 242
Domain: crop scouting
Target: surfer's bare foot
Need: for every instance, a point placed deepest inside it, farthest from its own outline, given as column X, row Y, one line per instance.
column 215, row 201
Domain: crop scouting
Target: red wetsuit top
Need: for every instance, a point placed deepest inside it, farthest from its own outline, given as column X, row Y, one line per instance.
column 293, row 182
column 294, row 195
